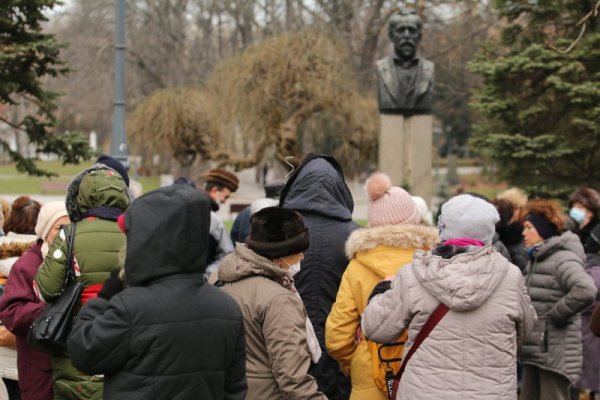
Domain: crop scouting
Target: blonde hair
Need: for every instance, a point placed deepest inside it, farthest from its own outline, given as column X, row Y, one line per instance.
column 5, row 210
column 517, row 197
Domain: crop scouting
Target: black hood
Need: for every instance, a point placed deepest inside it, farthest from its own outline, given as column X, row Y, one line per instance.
column 318, row 186
column 167, row 234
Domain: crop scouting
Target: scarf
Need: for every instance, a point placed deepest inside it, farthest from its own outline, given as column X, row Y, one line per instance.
column 464, row 242
column 311, row 337
column 108, row 213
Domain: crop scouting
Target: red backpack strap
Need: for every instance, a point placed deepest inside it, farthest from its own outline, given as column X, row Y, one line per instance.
column 433, row 320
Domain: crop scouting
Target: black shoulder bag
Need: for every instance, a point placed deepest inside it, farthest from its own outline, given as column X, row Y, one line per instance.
column 50, row 331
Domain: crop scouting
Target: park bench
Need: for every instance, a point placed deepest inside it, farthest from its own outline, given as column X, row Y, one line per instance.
column 54, row 187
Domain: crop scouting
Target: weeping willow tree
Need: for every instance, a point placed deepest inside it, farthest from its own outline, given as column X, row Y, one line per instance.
column 289, row 87
column 174, row 123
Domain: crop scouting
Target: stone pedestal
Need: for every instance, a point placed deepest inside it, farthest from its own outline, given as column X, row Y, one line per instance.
column 405, row 146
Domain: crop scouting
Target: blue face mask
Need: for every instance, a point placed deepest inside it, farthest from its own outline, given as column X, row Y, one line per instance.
column 577, row 214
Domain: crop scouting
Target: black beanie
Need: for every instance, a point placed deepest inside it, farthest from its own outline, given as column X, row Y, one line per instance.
column 543, row 227
column 114, row 164
column 277, row 232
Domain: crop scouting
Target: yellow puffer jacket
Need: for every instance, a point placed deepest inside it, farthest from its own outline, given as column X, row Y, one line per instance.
column 375, row 253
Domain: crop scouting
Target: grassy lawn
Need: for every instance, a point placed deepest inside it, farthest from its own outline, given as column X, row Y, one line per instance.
column 53, row 166
column 12, row 182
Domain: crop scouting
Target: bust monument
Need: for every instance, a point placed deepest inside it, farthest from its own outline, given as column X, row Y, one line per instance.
column 405, row 80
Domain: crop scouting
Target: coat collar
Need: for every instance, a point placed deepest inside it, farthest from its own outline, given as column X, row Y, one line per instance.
column 403, row 236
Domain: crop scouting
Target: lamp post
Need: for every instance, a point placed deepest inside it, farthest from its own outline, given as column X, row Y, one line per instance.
column 119, row 141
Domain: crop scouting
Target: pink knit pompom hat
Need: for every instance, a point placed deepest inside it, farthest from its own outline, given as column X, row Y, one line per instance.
column 389, row 205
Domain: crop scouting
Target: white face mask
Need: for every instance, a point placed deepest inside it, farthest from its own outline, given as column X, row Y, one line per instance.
column 294, row 269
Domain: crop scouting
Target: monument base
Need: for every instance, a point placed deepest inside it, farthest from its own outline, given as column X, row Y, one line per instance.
column 405, row 146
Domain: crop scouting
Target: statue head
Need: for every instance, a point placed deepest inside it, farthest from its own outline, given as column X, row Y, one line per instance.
column 404, row 30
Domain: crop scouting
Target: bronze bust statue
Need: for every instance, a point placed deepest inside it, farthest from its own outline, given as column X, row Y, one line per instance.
column 405, row 80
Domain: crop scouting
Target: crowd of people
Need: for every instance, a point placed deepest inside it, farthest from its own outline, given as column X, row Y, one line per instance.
column 499, row 297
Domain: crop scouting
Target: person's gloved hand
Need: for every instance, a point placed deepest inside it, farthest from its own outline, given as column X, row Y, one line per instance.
column 381, row 287
column 559, row 323
column 113, row 285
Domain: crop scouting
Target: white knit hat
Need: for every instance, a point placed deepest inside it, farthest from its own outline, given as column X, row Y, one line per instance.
column 421, row 204
column 48, row 215
column 389, row 205
column 467, row 216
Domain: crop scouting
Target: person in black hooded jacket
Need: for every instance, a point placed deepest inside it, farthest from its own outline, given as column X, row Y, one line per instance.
column 317, row 190
column 168, row 334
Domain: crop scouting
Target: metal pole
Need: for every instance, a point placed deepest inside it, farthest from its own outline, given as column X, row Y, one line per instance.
column 119, row 141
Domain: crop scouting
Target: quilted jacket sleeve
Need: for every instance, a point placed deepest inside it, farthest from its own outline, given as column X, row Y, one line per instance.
column 50, row 278
column 527, row 314
column 580, row 292
column 99, row 342
column 388, row 314
column 341, row 325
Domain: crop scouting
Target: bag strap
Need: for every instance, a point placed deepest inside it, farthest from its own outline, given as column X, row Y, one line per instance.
column 431, row 323
column 70, row 267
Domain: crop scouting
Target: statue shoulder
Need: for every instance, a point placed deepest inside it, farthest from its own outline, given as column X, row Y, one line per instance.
column 384, row 63
column 428, row 65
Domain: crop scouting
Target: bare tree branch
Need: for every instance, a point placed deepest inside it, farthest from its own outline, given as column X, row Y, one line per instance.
column 583, row 23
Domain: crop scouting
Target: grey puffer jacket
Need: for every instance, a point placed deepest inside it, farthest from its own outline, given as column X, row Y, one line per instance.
column 472, row 352
column 560, row 290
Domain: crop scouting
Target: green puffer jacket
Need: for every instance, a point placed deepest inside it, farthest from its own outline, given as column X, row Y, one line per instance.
column 97, row 245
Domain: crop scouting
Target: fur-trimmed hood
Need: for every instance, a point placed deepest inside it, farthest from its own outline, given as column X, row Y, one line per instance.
column 14, row 249
column 403, row 236
column 74, row 209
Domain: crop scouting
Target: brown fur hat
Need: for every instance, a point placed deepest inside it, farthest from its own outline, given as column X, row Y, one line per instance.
column 224, row 178
column 277, row 232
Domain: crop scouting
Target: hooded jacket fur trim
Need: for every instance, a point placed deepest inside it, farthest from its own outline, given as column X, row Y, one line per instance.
column 75, row 214
column 13, row 249
column 404, row 236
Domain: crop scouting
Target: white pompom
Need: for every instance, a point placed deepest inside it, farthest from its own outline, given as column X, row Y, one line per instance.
column 377, row 185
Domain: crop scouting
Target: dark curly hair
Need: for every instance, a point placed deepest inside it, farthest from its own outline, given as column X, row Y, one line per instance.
column 587, row 197
column 23, row 216
column 506, row 209
column 550, row 210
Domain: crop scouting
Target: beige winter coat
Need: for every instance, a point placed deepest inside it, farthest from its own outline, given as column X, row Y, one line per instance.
column 472, row 352
column 277, row 358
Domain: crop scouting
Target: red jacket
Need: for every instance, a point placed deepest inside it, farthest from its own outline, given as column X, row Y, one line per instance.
column 19, row 306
